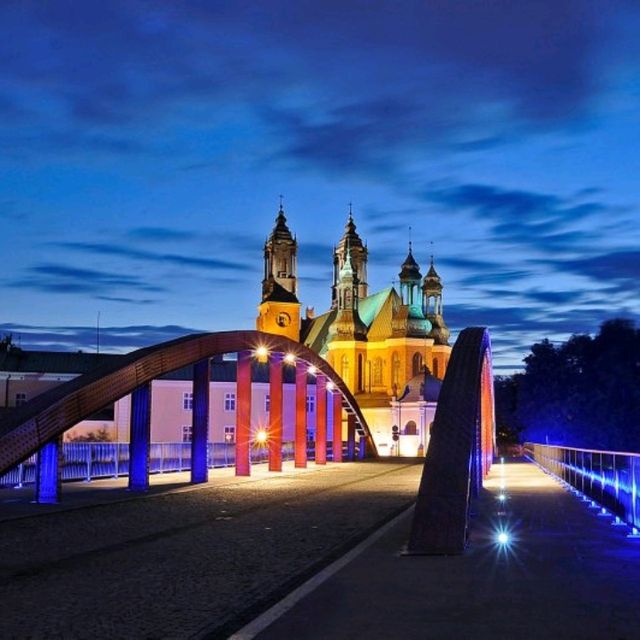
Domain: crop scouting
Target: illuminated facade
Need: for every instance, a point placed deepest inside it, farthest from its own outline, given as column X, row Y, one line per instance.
column 381, row 344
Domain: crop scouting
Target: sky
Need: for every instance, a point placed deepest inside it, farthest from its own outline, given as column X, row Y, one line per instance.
column 144, row 146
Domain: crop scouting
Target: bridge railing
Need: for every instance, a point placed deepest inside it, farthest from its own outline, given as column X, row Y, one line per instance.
column 611, row 478
column 91, row 460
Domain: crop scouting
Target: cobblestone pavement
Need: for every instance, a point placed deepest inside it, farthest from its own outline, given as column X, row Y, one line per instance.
column 192, row 563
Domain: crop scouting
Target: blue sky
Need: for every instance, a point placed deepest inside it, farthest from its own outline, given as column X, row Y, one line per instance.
column 144, row 146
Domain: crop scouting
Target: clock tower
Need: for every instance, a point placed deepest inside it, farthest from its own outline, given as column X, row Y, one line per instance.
column 279, row 311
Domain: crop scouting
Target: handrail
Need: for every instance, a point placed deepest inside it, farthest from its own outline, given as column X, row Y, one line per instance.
column 611, row 478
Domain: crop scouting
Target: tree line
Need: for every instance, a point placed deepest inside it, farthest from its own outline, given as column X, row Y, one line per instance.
column 584, row 392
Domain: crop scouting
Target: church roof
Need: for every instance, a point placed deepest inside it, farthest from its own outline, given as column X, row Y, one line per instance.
column 317, row 331
column 375, row 311
column 422, row 388
column 277, row 293
column 410, row 268
column 281, row 231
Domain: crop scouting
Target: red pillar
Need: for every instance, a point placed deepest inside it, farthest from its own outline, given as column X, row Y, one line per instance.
column 337, row 426
column 300, row 455
column 243, row 414
column 275, row 412
column 321, row 419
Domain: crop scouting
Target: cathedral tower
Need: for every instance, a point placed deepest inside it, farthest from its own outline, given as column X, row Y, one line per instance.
column 279, row 311
column 352, row 244
column 433, row 309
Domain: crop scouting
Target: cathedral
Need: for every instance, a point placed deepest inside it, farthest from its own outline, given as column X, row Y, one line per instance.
column 390, row 347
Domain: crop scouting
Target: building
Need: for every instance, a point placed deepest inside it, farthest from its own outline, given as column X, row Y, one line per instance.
column 391, row 347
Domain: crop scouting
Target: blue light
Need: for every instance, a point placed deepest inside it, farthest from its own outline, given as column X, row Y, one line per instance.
column 502, row 497
column 503, row 538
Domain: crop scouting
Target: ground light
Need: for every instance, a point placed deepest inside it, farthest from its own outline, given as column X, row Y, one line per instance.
column 503, row 538
column 290, row 358
column 330, row 386
column 262, row 353
column 312, row 370
column 261, row 436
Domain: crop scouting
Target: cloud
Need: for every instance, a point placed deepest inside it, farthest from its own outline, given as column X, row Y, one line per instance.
column 160, row 234
column 210, row 264
column 56, row 278
column 622, row 267
column 74, row 337
column 545, row 221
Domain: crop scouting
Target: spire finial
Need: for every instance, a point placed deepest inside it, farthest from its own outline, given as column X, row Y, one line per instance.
column 410, row 239
column 350, row 211
column 281, row 198
column 431, row 243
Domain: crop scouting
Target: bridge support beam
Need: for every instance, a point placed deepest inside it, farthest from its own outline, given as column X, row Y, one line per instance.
column 243, row 414
column 48, row 473
column 140, row 438
column 300, row 454
column 200, row 421
column 336, row 401
column 321, row 419
column 275, row 412
column 351, row 437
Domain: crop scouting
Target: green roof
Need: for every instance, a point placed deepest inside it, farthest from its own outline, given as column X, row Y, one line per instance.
column 370, row 306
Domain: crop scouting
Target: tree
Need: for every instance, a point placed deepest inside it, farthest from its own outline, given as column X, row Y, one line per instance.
column 584, row 392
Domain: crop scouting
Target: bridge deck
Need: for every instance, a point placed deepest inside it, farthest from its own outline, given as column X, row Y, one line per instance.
column 569, row 574
column 183, row 563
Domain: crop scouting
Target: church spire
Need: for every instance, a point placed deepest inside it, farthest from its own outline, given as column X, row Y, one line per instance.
column 280, row 259
column 432, row 305
column 350, row 243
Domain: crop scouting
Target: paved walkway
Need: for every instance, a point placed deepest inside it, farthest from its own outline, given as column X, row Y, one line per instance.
column 188, row 563
column 567, row 574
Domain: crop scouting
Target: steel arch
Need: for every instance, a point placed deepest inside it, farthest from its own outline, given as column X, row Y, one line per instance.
column 460, row 450
column 48, row 415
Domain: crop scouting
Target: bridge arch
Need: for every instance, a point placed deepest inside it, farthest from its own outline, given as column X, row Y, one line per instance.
column 29, row 427
column 460, row 450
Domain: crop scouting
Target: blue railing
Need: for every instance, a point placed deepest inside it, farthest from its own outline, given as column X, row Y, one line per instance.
column 611, row 478
column 91, row 460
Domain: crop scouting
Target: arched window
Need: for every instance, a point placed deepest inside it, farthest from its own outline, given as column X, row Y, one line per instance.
column 360, row 372
column 344, row 369
column 436, row 368
column 417, row 364
column 377, row 371
column 395, row 369
column 411, row 428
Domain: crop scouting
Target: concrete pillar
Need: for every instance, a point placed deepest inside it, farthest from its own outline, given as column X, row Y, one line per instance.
column 275, row 412
column 243, row 414
column 200, row 421
column 351, row 437
column 300, row 453
column 336, row 401
column 321, row 419
column 140, row 438
column 48, row 473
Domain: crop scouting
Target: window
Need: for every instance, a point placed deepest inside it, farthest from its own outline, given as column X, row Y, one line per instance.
column 360, row 370
column 230, row 434
column 417, row 364
column 229, row 401
column 377, row 371
column 311, row 435
column 187, row 433
column 395, row 369
column 187, row 401
column 311, row 404
column 411, row 428
column 21, row 398
column 344, row 369
column 267, row 403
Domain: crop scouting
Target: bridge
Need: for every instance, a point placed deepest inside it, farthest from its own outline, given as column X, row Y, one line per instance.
column 446, row 546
